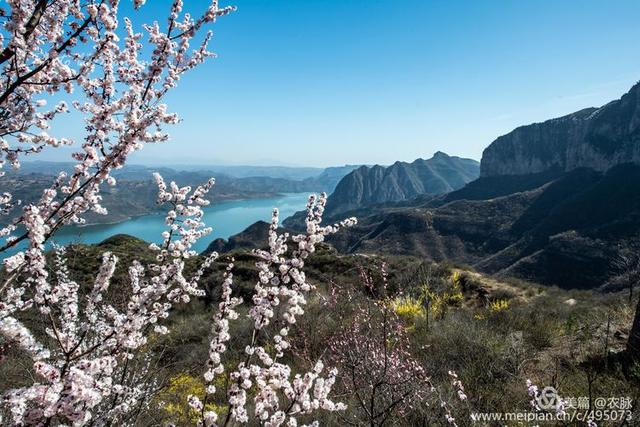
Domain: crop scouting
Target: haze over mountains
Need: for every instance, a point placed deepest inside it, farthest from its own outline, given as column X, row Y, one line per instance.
column 141, row 172
column 136, row 192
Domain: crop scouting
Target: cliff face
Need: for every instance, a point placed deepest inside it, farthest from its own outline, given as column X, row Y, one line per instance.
column 401, row 181
column 597, row 138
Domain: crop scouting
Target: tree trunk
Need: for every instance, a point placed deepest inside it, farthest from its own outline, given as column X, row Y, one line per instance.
column 633, row 345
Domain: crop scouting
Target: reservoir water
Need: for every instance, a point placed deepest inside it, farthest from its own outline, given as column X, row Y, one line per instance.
column 226, row 218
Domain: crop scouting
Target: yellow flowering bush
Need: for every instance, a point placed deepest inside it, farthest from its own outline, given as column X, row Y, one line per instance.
column 173, row 399
column 439, row 301
column 409, row 309
column 498, row 305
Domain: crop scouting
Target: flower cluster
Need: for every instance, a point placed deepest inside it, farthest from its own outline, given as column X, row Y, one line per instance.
column 459, row 388
column 184, row 219
column 217, row 346
column 455, row 381
column 281, row 288
column 94, row 338
column 46, row 47
column 83, row 366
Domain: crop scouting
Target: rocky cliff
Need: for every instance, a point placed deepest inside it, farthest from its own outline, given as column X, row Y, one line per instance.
column 597, row 138
column 366, row 186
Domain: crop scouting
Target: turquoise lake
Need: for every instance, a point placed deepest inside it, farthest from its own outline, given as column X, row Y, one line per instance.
column 227, row 218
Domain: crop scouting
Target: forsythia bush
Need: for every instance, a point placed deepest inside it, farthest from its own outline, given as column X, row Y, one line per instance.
column 174, row 399
column 439, row 301
column 408, row 308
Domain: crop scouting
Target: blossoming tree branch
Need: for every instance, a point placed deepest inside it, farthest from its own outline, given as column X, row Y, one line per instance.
column 82, row 369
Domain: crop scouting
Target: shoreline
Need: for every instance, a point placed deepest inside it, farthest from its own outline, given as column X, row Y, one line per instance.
column 150, row 213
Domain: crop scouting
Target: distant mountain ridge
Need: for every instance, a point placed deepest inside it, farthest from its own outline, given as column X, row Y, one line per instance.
column 127, row 199
column 253, row 178
column 377, row 184
column 136, row 192
column 597, row 138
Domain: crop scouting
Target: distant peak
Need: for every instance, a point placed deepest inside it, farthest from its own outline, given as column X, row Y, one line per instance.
column 634, row 91
column 440, row 154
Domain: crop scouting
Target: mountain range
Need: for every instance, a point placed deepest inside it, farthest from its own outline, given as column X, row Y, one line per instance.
column 136, row 192
column 551, row 202
column 555, row 203
column 401, row 181
column 564, row 232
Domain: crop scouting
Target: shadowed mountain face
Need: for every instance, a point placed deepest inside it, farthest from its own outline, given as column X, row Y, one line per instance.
column 559, row 229
column 564, row 232
column 367, row 186
column 597, row 138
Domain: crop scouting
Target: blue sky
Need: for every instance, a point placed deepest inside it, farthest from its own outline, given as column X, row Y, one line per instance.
column 318, row 83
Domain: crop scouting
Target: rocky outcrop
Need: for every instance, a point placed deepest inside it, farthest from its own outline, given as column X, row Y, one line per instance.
column 367, row 186
column 597, row 138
